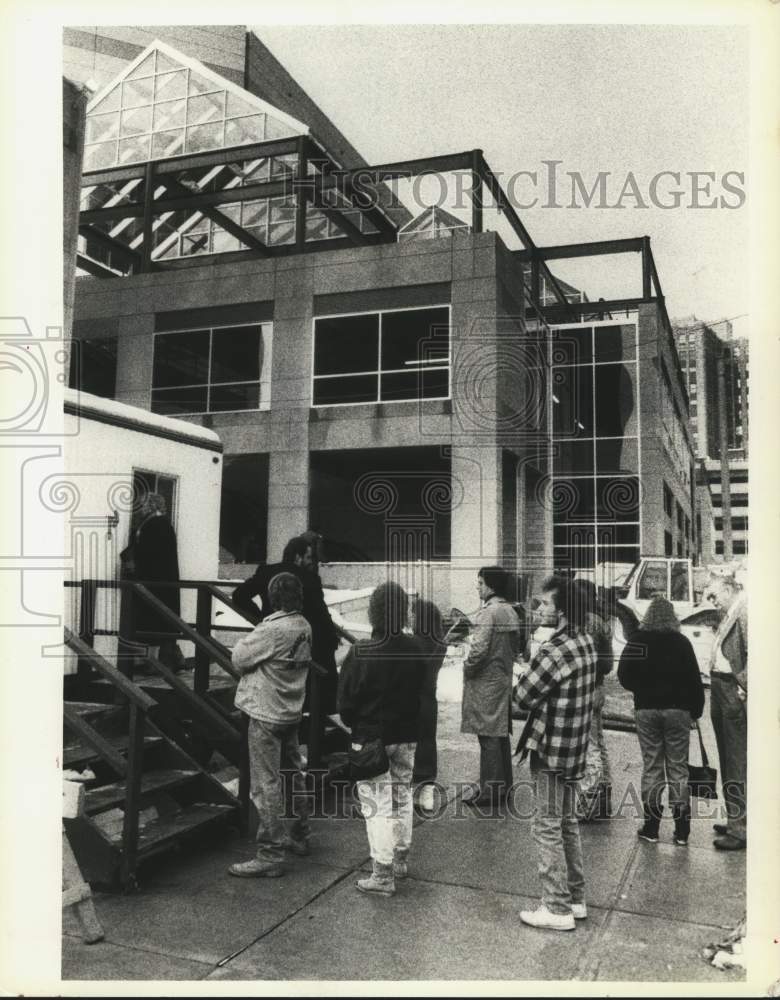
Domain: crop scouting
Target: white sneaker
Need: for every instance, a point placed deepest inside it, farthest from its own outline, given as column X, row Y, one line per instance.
column 579, row 911
column 542, row 917
column 426, row 800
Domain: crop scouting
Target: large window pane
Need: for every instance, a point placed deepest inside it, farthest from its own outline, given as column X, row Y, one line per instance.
column 615, row 343
column 245, row 396
column 235, row 354
column 190, row 400
column 615, row 400
column 573, row 401
column 617, row 498
column 572, row 346
column 577, row 557
column 573, row 499
column 574, row 534
column 425, row 384
column 406, row 337
column 618, row 534
column 573, row 457
column 618, row 455
column 181, row 359
column 346, row 344
column 346, row 389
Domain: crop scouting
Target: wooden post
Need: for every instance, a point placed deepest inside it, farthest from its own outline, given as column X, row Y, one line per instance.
column 87, row 622
column 135, row 754
column 203, row 627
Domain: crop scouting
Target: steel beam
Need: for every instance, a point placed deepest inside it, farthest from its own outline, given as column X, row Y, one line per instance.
column 115, row 246
column 573, row 310
column 595, row 249
column 95, row 268
column 514, row 221
column 476, row 191
column 248, row 239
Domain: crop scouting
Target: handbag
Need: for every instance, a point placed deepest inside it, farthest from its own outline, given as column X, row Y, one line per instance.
column 702, row 779
column 361, row 764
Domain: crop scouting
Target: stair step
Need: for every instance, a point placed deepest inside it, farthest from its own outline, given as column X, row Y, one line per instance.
column 107, row 796
column 87, row 708
column 77, row 754
column 166, row 830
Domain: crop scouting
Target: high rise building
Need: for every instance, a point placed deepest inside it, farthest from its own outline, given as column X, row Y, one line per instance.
column 708, row 353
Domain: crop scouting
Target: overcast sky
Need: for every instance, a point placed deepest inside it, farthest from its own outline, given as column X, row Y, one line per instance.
column 597, row 98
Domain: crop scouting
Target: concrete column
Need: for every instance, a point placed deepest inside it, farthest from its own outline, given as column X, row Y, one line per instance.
column 476, row 518
column 135, row 359
column 288, row 473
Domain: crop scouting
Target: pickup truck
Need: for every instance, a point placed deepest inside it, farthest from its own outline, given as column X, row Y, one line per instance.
column 679, row 582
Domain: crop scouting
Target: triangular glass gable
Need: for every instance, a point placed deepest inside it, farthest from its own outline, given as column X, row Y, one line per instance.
column 431, row 223
column 167, row 105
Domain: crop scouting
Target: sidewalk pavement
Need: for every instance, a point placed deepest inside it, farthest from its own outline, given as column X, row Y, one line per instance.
column 652, row 907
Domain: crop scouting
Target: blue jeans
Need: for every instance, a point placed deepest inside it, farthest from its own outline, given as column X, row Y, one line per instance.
column 273, row 747
column 557, row 836
column 729, row 720
column 664, row 735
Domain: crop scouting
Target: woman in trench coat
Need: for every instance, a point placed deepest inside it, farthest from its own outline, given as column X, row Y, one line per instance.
column 487, row 686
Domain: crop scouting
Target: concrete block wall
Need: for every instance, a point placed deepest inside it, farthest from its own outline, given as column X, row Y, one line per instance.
column 101, row 53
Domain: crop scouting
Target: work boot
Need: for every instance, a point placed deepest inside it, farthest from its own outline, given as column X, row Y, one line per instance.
column 297, row 846
column 682, row 825
column 649, row 831
column 380, row 882
column 400, row 866
column 257, row 869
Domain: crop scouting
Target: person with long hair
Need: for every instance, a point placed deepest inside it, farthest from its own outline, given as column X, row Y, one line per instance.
column 379, row 698
column 659, row 667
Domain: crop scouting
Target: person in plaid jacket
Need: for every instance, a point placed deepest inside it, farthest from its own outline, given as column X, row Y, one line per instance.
column 558, row 690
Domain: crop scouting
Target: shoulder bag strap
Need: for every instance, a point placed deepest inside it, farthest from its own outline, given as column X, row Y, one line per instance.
column 704, row 760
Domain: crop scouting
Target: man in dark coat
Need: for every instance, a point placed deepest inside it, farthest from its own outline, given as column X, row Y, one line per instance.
column 298, row 559
column 156, row 558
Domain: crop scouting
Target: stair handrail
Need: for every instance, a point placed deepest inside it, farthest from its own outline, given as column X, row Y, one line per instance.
column 123, row 684
column 219, row 653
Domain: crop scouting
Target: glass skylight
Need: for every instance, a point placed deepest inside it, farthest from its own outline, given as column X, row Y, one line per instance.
column 163, row 108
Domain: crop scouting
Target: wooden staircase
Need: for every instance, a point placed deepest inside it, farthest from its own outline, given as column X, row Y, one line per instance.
column 154, row 742
column 146, row 795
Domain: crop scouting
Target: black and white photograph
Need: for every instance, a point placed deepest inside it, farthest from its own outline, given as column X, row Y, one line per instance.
column 377, row 571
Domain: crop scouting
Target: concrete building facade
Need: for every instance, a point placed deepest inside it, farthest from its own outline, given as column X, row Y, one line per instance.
column 418, row 401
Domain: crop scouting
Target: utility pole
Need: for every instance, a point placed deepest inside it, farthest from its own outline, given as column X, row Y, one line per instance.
column 725, row 477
